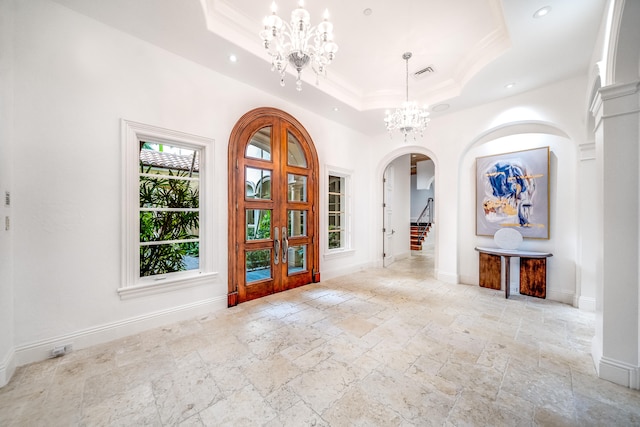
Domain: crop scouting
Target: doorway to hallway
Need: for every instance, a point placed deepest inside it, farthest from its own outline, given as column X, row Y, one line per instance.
column 408, row 214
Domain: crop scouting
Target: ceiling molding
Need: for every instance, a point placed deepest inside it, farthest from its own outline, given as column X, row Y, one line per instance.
column 476, row 46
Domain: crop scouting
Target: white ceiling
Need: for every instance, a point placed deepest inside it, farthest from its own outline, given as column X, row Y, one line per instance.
column 476, row 47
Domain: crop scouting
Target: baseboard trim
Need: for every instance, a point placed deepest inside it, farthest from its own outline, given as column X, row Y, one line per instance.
column 587, row 303
column 619, row 372
column 469, row 280
column 333, row 273
column 8, row 367
column 563, row 297
column 596, row 352
column 448, row 277
column 41, row 350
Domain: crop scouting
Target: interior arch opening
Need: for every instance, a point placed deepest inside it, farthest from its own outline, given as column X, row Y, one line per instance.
column 409, row 211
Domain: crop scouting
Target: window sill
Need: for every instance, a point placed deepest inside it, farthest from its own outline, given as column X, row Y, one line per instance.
column 153, row 288
column 338, row 253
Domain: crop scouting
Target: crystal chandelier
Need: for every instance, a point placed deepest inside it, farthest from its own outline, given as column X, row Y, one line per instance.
column 409, row 118
column 297, row 43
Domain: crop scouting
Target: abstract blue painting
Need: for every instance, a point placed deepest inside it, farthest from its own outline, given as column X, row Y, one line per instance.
column 512, row 191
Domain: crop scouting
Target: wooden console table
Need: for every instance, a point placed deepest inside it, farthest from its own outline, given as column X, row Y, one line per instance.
column 533, row 270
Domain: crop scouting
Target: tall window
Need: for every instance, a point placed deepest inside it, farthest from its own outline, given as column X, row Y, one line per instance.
column 338, row 212
column 169, row 208
column 167, row 229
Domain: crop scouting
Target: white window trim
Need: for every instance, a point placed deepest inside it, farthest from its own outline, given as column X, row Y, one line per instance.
column 131, row 284
column 348, row 200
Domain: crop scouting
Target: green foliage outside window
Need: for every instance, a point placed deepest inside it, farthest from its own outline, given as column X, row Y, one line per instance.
column 163, row 191
column 260, row 259
column 264, row 226
column 334, row 240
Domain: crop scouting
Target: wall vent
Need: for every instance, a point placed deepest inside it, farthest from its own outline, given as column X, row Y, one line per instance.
column 424, row 72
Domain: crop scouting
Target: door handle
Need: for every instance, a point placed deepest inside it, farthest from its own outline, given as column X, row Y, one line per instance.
column 276, row 245
column 285, row 244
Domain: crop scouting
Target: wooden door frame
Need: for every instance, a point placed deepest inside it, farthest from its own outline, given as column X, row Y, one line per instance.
column 235, row 148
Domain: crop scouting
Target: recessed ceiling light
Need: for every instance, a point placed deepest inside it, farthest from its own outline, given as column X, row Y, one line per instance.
column 336, row 109
column 509, row 85
column 233, row 58
column 367, row 11
column 542, row 12
column 440, row 107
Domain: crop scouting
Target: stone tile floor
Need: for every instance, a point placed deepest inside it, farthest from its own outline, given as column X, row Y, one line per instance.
column 385, row 347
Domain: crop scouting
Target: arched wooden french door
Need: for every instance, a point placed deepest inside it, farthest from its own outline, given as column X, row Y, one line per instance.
column 273, row 203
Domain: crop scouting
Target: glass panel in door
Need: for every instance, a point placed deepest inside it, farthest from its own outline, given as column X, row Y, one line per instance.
column 258, row 183
column 297, row 223
column 260, row 145
column 297, row 259
column 258, row 224
column 258, row 265
column 295, row 153
column 297, row 188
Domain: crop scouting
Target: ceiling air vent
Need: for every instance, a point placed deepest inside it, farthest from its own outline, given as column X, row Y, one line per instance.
column 424, row 72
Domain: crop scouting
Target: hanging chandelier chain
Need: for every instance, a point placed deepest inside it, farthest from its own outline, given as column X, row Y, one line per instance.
column 406, row 57
column 410, row 118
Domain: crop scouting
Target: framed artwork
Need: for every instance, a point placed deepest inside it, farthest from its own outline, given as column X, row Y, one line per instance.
column 512, row 191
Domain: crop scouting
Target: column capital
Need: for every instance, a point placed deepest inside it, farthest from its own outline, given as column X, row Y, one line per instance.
column 616, row 100
column 587, row 151
column 619, row 90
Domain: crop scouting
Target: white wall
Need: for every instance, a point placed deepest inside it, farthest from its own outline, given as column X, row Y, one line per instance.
column 555, row 115
column 7, row 364
column 546, row 117
column 336, row 149
column 587, row 217
column 75, row 79
column 562, row 243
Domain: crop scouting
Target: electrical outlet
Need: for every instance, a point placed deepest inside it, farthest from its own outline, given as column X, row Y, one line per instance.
column 61, row 350
column 6, row 223
column 7, row 198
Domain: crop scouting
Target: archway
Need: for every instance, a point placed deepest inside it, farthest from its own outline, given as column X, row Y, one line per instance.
column 398, row 233
column 513, row 136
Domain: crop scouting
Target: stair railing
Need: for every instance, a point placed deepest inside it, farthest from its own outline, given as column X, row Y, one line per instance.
column 428, row 212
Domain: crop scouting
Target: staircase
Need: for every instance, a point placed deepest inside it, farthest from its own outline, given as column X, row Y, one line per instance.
column 420, row 229
column 419, row 232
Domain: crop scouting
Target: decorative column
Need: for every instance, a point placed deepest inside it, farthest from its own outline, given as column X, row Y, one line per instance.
column 617, row 138
column 588, row 241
